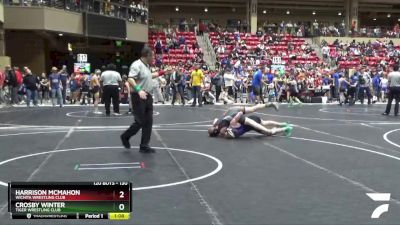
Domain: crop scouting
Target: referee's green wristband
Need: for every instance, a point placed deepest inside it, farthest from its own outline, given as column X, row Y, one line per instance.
column 137, row 88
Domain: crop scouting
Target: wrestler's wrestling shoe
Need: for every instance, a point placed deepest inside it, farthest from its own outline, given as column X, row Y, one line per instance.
column 292, row 105
column 275, row 105
column 284, row 125
column 288, row 131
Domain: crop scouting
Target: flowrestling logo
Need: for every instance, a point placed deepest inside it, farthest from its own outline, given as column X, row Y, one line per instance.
column 379, row 197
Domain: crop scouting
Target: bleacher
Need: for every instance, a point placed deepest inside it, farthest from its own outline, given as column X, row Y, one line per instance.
column 278, row 48
column 176, row 55
column 351, row 60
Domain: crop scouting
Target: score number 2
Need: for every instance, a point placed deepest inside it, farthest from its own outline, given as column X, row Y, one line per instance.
column 121, row 206
column 121, row 195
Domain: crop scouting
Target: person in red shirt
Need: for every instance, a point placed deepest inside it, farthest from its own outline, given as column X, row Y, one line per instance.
column 353, row 28
column 2, row 83
column 396, row 30
column 78, row 77
column 202, row 28
column 18, row 76
column 19, row 79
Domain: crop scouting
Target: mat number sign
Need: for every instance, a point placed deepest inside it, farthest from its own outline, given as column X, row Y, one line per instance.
column 276, row 60
column 82, row 58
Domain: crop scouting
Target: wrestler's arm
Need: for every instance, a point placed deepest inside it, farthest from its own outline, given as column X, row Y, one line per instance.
column 222, row 132
column 235, row 119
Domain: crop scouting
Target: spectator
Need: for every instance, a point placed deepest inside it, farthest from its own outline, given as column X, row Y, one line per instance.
column 166, row 85
column 229, row 79
column 158, row 46
column 158, row 97
column 182, row 40
column 353, row 27
column 55, row 87
column 218, row 81
column 2, row 85
column 74, row 88
column 43, row 88
column 132, row 12
column 384, row 87
column 158, row 62
column 315, row 27
column 185, row 25
column 84, row 89
column 202, row 28
column 111, row 80
column 177, row 86
column 237, row 88
column 186, row 49
column 19, row 80
column 64, row 79
column 11, row 82
column 343, row 87
column 196, row 80
column 335, row 88
column 256, row 85
column 396, row 30
column 365, row 83
column 325, row 52
column 127, row 90
column 282, row 28
column 221, row 49
column 31, row 83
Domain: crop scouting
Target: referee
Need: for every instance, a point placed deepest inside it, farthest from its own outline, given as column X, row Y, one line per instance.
column 140, row 78
column 394, row 91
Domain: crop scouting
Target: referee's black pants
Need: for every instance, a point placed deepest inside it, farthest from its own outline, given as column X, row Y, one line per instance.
column 143, row 113
column 394, row 93
column 111, row 92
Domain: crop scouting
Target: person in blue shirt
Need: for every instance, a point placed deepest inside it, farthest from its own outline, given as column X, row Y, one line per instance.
column 354, row 84
column 257, row 85
column 269, row 76
column 182, row 40
column 335, row 77
column 343, row 88
column 269, row 79
column 240, row 70
column 237, row 86
column 326, row 86
column 64, row 79
column 158, row 61
column 55, row 87
column 224, row 62
column 376, row 84
column 73, row 87
column 325, row 81
column 237, row 36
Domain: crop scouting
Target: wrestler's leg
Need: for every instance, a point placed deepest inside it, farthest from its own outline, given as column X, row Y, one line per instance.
column 261, row 106
column 260, row 128
column 273, row 123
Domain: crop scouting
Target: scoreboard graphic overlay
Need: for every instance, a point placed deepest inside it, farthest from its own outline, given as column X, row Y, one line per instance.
column 70, row 200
